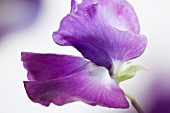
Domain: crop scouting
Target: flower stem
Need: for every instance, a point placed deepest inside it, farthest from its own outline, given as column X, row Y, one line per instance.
column 134, row 103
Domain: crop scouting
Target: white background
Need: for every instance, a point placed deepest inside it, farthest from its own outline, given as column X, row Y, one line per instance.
column 154, row 17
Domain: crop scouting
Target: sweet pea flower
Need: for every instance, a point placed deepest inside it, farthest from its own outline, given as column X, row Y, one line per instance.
column 103, row 42
column 106, row 33
column 17, row 14
column 159, row 96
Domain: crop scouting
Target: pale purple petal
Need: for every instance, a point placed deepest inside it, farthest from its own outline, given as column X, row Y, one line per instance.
column 50, row 66
column 126, row 45
column 96, row 40
column 91, row 84
column 118, row 13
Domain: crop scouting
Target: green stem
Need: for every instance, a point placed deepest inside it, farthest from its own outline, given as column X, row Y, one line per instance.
column 134, row 103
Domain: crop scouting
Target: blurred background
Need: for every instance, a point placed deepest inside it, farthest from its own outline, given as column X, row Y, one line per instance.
column 27, row 25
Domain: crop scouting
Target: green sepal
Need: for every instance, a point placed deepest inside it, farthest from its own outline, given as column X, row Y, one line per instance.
column 128, row 73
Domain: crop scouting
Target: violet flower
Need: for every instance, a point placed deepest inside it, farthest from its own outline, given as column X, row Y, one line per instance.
column 159, row 96
column 106, row 33
column 17, row 14
column 99, row 40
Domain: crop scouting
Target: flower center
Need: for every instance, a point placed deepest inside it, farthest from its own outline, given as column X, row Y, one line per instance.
column 116, row 67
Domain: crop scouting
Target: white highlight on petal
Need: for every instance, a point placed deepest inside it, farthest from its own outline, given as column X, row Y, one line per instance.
column 101, row 74
column 115, row 22
column 79, row 1
column 116, row 67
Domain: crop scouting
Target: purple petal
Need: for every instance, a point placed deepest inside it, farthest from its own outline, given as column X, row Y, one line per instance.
column 96, row 40
column 91, row 84
column 118, row 13
column 126, row 45
column 43, row 67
